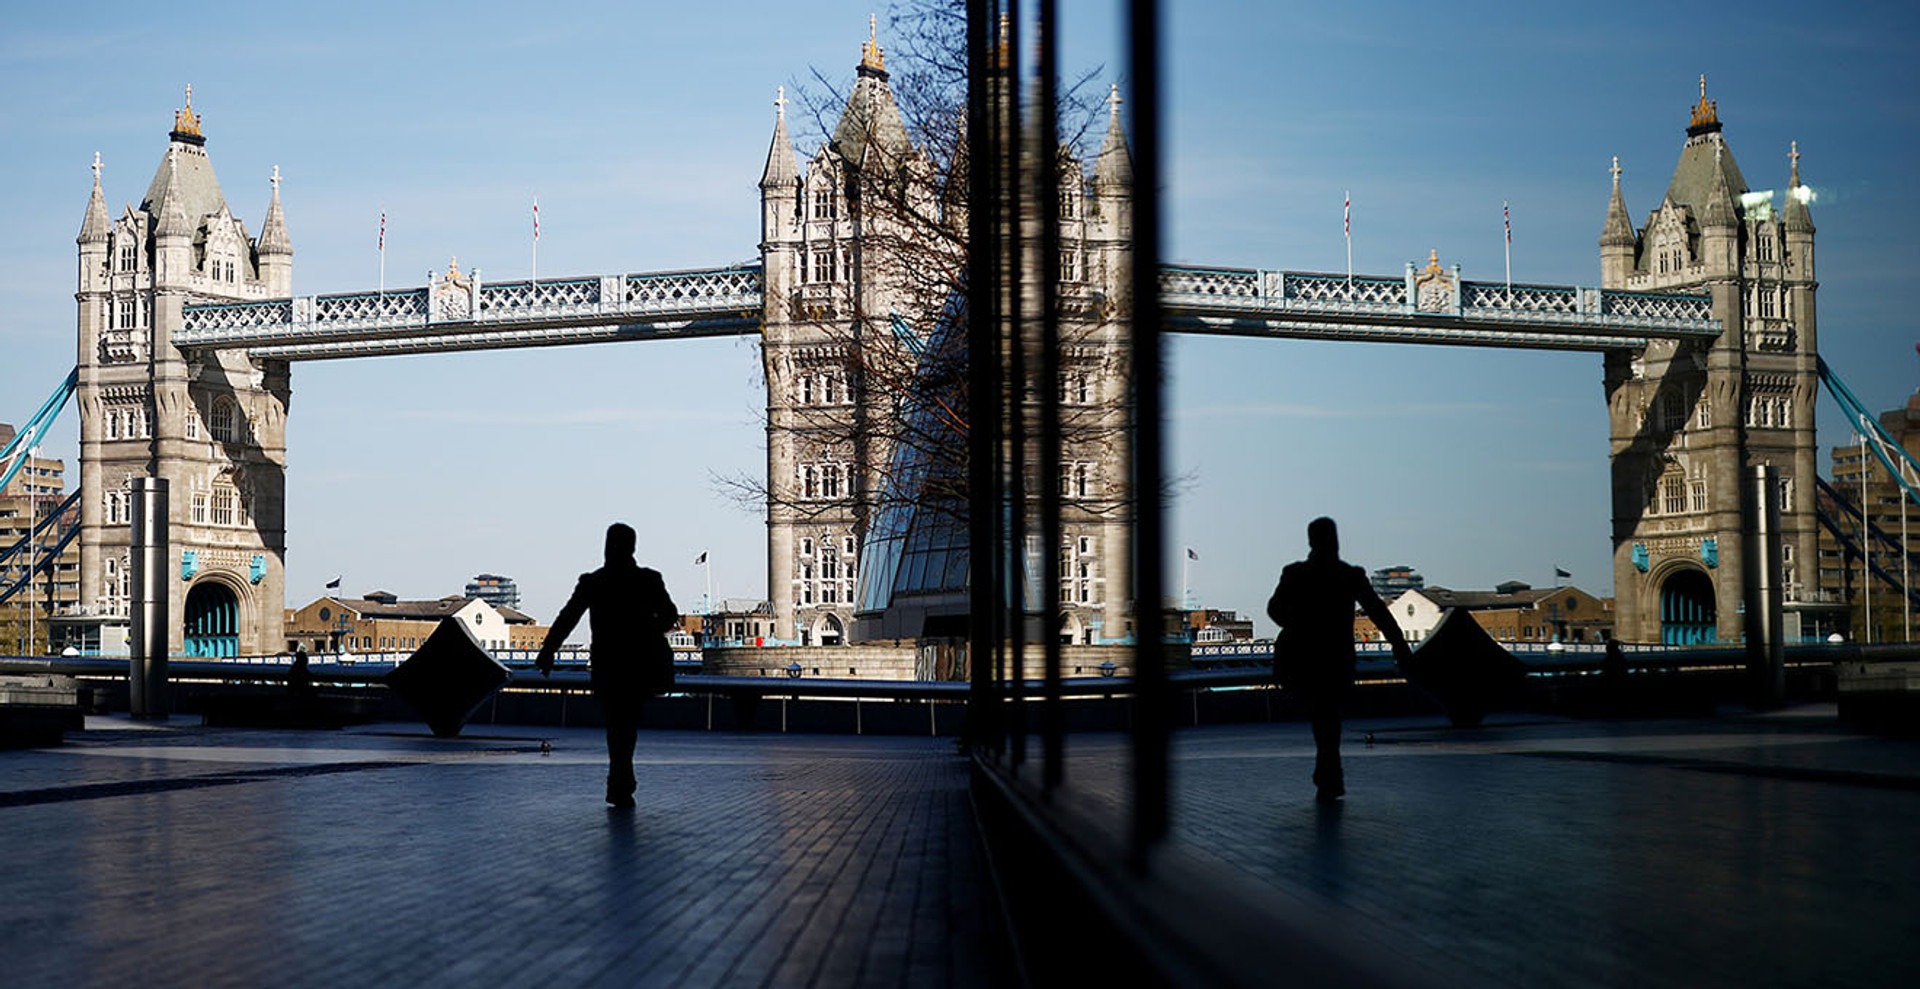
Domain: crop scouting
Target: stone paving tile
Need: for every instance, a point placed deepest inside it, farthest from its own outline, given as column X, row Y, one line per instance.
column 1526, row 855
column 369, row 858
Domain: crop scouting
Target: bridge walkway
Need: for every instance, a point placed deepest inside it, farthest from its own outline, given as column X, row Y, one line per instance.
column 1749, row 851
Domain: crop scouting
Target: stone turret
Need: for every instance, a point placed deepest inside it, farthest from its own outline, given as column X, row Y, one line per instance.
column 1113, row 168
column 1720, row 221
column 93, row 229
column 1618, row 242
column 1796, row 218
column 273, row 252
column 779, row 180
column 93, row 237
column 172, row 237
column 1113, row 180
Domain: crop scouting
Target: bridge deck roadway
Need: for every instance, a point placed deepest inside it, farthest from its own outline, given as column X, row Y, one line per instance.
column 1729, row 852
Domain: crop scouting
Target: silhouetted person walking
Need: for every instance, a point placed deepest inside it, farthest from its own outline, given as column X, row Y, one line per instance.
column 1313, row 605
column 630, row 616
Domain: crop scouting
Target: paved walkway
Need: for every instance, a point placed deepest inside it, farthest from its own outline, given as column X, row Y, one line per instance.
column 208, row 857
column 1772, row 851
column 1777, row 851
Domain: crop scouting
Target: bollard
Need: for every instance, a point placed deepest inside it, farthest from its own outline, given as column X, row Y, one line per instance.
column 1766, row 650
column 147, row 662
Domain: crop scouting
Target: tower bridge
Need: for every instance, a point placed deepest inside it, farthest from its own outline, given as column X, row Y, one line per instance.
column 188, row 328
column 465, row 314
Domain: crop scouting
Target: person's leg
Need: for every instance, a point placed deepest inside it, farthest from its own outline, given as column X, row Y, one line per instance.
column 623, row 724
column 1327, row 773
column 620, row 782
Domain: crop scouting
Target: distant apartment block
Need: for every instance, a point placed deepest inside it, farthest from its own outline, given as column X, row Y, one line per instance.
column 495, row 589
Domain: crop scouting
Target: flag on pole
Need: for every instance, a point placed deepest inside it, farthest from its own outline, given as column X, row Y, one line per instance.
column 702, row 561
column 535, row 275
column 1191, row 555
column 536, row 218
column 334, row 584
column 1564, row 575
column 383, row 231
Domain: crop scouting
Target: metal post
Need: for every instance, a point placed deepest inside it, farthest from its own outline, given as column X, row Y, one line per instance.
column 1015, row 461
column 982, row 376
column 1866, row 542
column 33, row 544
column 147, row 663
column 1150, row 722
column 1766, row 648
column 1052, row 711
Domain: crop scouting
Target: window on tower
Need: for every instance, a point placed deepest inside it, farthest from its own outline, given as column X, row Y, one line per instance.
column 223, row 418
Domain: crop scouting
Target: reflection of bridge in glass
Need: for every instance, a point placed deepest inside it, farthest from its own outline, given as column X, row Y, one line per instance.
column 1434, row 307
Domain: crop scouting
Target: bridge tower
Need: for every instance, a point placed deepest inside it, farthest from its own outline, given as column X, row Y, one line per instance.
column 862, row 256
column 1688, row 421
column 213, row 425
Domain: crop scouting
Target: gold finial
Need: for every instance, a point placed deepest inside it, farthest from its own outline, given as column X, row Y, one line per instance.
column 185, row 121
column 871, row 57
column 1706, row 111
column 1793, row 155
column 453, row 267
column 1433, row 263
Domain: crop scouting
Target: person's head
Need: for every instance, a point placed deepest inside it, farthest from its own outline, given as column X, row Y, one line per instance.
column 620, row 543
column 1323, row 539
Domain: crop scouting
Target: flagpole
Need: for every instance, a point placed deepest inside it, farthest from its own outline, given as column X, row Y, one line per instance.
column 1346, row 223
column 536, row 240
column 1186, row 582
column 1506, row 220
column 383, row 252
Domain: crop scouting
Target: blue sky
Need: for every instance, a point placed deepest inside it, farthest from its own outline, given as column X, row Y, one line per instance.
column 642, row 129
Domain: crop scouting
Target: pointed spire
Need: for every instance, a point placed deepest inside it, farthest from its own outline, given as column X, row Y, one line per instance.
column 1719, row 208
column 1618, row 230
column 273, row 231
column 871, row 55
column 1706, row 113
column 186, row 123
column 781, row 168
column 871, row 119
column 1796, row 217
column 93, row 230
column 1114, row 167
column 172, row 214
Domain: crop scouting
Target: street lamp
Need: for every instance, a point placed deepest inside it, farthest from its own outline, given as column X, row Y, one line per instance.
column 793, row 671
column 1107, row 668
